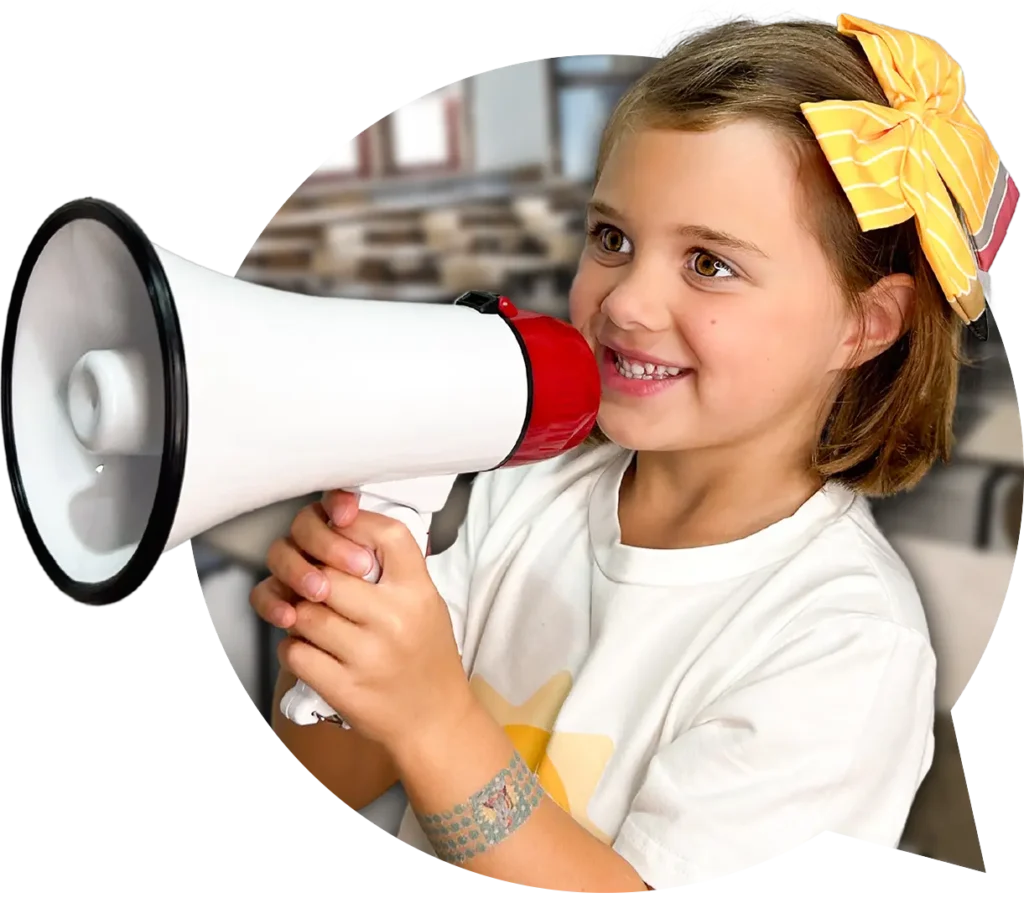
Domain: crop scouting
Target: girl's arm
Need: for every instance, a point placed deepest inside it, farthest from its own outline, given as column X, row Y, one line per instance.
column 354, row 769
column 482, row 809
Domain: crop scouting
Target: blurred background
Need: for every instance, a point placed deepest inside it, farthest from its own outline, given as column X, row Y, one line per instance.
column 482, row 185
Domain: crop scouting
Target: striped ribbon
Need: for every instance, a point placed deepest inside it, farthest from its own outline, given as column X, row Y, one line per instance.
column 908, row 159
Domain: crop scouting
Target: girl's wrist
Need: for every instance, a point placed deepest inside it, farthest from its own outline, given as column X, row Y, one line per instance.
column 432, row 741
column 448, row 763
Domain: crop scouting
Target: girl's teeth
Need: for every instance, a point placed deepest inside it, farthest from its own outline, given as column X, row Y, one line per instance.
column 636, row 370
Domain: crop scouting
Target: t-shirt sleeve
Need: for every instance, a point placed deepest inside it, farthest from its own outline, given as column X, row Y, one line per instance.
column 452, row 569
column 832, row 731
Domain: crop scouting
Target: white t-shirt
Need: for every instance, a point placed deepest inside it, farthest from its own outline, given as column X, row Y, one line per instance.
column 705, row 709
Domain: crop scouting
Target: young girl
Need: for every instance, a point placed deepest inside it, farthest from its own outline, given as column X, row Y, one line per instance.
column 686, row 647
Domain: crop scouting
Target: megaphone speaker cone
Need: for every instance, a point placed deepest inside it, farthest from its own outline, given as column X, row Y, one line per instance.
column 94, row 401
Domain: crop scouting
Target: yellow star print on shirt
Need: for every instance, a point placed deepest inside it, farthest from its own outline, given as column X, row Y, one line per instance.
column 568, row 766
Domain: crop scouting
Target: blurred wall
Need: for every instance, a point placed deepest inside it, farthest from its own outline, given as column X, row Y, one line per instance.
column 507, row 132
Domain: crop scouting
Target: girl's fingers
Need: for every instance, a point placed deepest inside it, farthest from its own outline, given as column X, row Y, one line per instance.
column 291, row 568
column 272, row 601
column 316, row 538
column 319, row 625
column 341, row 507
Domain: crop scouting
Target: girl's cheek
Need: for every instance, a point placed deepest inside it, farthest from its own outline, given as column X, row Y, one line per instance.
column 724, row 334
column 584, row 304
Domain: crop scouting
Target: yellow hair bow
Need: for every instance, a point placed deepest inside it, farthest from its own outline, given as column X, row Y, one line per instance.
column 905, row 160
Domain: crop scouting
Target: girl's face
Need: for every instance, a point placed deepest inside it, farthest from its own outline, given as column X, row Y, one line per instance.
column 700, row 275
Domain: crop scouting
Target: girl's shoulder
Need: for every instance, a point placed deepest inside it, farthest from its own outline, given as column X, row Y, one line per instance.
column 857, row 570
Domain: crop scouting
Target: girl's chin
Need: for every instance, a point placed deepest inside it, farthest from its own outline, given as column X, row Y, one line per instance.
column 639, row 437
column 629, row 430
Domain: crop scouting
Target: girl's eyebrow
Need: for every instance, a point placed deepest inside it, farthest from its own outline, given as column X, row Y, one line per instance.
column 716, row 236
column 602, row 209
column 701, row 233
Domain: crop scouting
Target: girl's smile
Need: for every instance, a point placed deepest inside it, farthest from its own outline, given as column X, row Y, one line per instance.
column 637, row 375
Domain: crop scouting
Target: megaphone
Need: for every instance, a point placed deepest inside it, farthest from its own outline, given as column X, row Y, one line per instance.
column 147, row 399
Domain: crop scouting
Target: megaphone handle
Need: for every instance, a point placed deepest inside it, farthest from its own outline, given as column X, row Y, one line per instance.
column 302, row 704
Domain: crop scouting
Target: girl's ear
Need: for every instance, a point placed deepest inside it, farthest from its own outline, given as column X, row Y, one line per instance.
column 886, row 307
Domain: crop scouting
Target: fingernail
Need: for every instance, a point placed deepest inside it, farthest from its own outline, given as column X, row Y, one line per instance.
column 281, row 616
column 362, row 563
column 348, row 506
column 314, row 585
column 336, row 510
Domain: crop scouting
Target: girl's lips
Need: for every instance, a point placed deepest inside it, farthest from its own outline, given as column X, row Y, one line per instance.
column 614, row 381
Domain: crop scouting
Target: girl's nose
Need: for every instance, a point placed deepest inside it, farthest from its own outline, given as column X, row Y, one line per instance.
column 639, row 300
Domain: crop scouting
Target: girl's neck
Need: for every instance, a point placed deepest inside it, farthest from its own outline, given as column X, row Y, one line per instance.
column 707, row 497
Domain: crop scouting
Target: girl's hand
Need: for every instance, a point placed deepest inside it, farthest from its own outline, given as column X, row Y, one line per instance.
column 294, row 575
column 382, row 655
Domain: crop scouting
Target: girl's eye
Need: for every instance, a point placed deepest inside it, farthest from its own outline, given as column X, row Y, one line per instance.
column 707, row 266
column 611, row 239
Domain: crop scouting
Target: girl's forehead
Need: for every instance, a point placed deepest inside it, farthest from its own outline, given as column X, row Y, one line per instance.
column 741, row 148
column 742, row 171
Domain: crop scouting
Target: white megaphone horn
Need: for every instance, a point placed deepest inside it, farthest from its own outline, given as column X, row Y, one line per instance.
column 146, row 399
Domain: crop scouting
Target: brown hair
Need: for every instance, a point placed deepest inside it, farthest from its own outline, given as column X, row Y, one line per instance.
column 892, row 417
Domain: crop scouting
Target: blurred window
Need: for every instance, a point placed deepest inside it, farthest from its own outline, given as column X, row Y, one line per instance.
column 420, row 133
column 425, row 135
column 350, row 160
column 582, row 114
column 586, row 89
column 579, row 65
column 343, row 159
